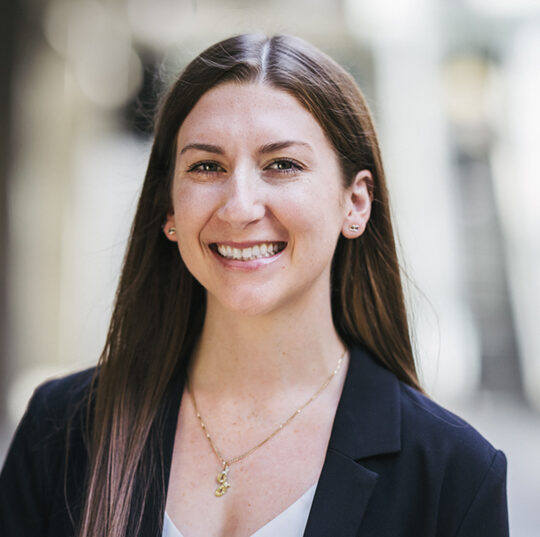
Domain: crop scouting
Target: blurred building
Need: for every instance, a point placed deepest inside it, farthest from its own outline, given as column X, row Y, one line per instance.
column 454, row 88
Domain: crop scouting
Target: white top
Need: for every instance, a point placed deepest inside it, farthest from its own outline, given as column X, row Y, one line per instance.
column 289, row 523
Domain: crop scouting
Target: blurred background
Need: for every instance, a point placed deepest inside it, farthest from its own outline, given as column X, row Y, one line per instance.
column 454, row 86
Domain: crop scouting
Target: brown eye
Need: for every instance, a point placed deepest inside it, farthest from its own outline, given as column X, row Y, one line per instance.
column 206, row 167
column 285, row 165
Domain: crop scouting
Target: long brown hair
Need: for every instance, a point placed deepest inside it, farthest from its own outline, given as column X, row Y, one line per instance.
column 160, row 307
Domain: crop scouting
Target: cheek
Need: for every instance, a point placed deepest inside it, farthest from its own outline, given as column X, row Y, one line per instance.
column 193, row 206
column 316, row 213
column 184, row 197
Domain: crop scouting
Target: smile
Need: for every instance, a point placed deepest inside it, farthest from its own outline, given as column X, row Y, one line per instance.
column 257, row 251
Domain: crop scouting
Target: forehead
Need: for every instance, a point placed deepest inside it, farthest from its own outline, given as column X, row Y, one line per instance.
column 255, row 112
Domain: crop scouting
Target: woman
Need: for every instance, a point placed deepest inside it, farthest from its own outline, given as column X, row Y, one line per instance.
column 258, row 377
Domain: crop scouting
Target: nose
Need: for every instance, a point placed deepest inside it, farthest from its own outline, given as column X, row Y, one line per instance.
column 242, row 202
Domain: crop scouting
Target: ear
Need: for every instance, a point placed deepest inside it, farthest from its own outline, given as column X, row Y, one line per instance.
column 358, row 204
column 169, row 228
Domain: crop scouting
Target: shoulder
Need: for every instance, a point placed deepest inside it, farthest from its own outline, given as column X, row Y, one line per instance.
column 414, row 422
column 464, row 472
column 432, row 466
column 459, row 467
column 58, row 400
column 55, row 409
column 433, row 473
column 443, row 436
column 56, row 393
column 383, row 407
column 415, row 442
column 46, row 462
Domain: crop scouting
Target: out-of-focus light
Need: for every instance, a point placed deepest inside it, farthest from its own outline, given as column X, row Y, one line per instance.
column 506, row 8
column 386, row 20
column 161, row 22
column 66, row 22
column 466, row 81
column 109, row 72
column 97, row 46
column 523, row 129
column 517, row 173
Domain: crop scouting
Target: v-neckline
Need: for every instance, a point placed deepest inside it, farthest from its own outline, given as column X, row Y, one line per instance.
column 170, row 529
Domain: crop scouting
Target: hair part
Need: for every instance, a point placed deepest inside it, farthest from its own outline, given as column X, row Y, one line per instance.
column 159, row 307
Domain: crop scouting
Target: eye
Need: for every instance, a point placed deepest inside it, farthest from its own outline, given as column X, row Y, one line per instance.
column 285, row 165
column 205, row 167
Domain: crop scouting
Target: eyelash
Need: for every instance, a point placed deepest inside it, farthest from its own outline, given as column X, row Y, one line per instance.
column 293, row 166
column 198, row 167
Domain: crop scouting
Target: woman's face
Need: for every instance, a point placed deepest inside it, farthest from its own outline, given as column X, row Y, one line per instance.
column 258, row 200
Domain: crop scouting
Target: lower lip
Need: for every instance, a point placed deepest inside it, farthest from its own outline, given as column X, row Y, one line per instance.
column 250, row 265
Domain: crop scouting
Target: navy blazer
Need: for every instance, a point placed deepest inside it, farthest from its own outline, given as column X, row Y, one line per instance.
column 397, row 465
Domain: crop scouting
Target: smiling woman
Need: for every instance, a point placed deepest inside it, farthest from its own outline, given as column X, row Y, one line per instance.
column 258, row 377
column 258, row 201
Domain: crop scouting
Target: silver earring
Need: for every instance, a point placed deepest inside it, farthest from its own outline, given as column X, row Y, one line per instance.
column 354, row 228
column 171, row 231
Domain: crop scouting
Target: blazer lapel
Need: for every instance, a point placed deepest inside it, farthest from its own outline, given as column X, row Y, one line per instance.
column 341, row 498
column 367, row 424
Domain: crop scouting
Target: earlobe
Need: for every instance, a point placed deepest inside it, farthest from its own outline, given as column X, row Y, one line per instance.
column 359, row 197
column 169, row 228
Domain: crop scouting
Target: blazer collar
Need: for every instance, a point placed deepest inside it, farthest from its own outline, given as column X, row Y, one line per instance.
column 368, row 417
column 367, row 423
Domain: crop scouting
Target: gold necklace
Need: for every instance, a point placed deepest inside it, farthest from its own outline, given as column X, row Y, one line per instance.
column 222, row 477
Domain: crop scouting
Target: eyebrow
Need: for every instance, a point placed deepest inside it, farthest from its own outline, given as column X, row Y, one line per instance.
column 264, row 149
column 277, row 146
column 203, row 147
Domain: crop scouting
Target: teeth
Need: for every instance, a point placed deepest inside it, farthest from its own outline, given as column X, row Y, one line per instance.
column 265, row 249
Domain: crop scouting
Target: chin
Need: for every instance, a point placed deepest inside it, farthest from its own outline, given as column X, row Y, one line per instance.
column 248, row 304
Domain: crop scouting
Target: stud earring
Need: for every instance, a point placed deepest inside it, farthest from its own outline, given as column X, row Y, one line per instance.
column 354, row 228
column 171, row 231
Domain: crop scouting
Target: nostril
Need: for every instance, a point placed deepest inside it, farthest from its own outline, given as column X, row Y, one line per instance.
column 242, row 202
column 241, row 213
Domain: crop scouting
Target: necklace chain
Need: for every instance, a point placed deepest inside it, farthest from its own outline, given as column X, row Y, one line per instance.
column 223, row 474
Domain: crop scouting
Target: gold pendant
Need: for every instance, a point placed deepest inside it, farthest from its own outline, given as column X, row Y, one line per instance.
column 222, row 480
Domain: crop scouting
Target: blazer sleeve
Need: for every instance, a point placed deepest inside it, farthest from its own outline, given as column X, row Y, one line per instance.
column 487, row 515
column 23, row 499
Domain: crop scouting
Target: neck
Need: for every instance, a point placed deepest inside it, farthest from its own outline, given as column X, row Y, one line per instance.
column 265, row 354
